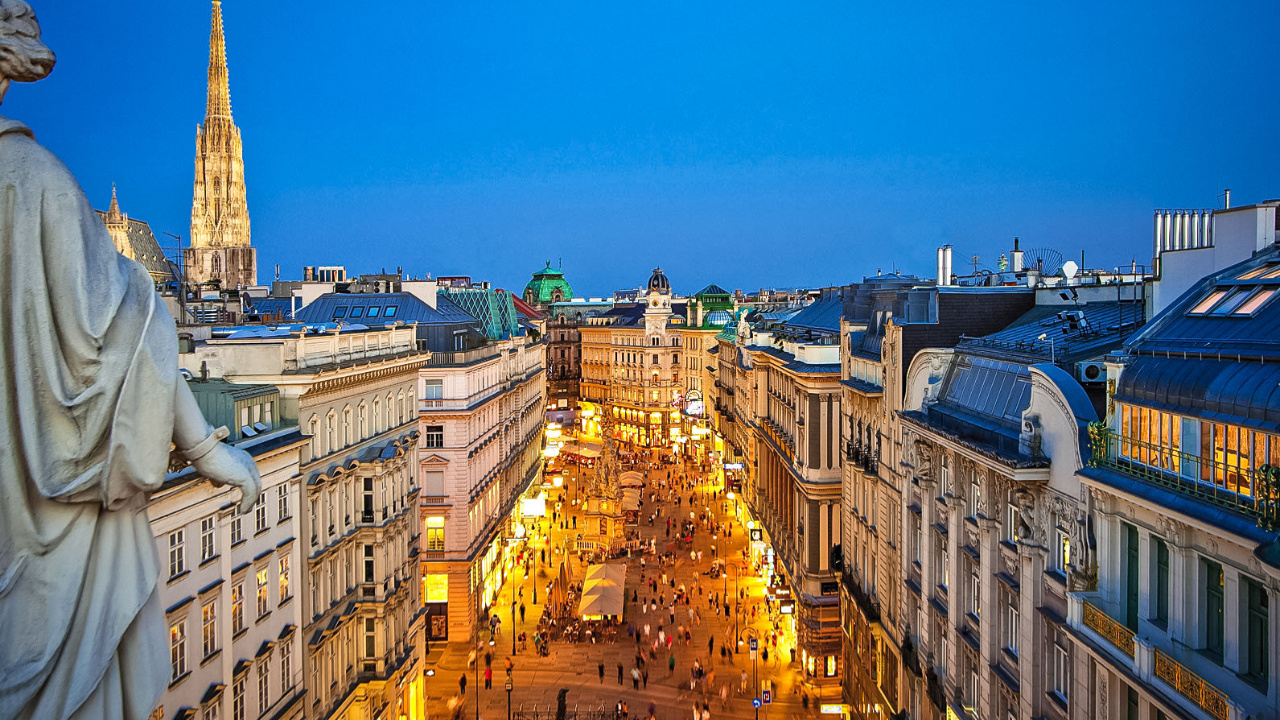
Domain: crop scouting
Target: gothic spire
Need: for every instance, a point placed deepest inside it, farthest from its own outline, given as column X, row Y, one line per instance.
column 114, row 216
column 219, row 101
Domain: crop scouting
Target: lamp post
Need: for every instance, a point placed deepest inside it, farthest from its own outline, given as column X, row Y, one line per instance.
column 513, row 622
column 508, row 687
column 752, row 635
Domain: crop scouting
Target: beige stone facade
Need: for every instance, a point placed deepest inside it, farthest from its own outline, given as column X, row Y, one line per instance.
column 480, row 416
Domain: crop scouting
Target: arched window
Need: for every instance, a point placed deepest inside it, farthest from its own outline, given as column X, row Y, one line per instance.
column 400, row 409
column 313, row 429
column 331, row 433
column 377, row 415
column 363, row 415
column 216, row 270
column 347, row 430
column 391, row 410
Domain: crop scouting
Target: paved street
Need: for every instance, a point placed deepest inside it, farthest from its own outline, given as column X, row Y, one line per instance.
column 537, row 680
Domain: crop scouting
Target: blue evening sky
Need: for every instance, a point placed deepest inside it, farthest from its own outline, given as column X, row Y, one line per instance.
column 747, row 144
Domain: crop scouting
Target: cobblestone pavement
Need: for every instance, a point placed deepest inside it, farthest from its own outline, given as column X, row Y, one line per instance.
column 575, row 666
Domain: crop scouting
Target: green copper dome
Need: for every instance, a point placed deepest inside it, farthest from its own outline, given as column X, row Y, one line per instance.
column 547, row 286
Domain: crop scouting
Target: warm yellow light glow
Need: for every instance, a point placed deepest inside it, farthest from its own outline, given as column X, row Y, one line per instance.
column 729, row 495
column 751, row 524
column 557, row 481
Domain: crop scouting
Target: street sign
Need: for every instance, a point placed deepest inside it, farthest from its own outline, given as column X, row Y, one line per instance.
column 509, row 685
column 768, row 696
column 755, row 702
column 754, row 644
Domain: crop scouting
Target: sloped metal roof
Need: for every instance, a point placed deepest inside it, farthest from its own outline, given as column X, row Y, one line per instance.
column 408, row 308
column 1229, row 391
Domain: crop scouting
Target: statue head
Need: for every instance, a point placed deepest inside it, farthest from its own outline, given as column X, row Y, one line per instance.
column 23, row 58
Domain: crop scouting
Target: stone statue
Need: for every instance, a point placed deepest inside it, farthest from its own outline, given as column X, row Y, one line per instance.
column 924, row 459
column 1026, row 502
column 92, row 401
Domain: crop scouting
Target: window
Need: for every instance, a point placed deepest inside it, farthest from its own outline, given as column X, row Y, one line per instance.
column 313, row 429
column 374, row 311
column 390, row 312
column 655, row 359
column 435, row 588
column 1255, row 301
column 282, row 501
column 212, row 709
column 944, row 476
column 975, row 590
column 208, row 546
column 237, row 699
column 262, row 592
column 237, row 529
column 1011, row 517
column 1213, row 608
column 286, row 667
column 1011, row 624
column 370, row 639
column 434, row 390
column 339, row 312
column 264, row 684
column 260, row 513
column 1059, row 669
column 177, row 556
column 434, row 436
column 209, row 628
column 237, row 608
column 356, row 312
column 1258, row 626
column 433, row 483
column 177, row 650
column 975, row 496
column 1160, row 593
column 1210, row 300
column 435, row 534
column 944, row 571
column 1064, row 549
column 348, row 430
column 331, row 433
column 284, row 578
column 368, row 564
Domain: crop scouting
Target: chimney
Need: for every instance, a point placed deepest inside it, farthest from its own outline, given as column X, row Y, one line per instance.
column 947, row 261
column 1227, row 193
column 942, row 266
column 1017, row 256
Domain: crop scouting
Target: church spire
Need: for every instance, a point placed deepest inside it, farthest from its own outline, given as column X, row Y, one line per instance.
column 219, row 101
column 114, row 210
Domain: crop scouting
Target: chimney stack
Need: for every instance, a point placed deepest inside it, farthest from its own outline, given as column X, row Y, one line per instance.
column 1017, row 256
column 1227, row 193
column 947, row 264
column 942, row 267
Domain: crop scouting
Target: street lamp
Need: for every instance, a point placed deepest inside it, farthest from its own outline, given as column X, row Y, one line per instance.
column 513, row 623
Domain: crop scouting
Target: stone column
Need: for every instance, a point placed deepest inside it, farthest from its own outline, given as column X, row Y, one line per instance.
column 955, row 584
column 989, row 645
column 1031, row 641
column 1232, row 654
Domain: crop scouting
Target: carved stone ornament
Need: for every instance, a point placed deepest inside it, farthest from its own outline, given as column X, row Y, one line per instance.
column 923, row 459
column 1026, row 501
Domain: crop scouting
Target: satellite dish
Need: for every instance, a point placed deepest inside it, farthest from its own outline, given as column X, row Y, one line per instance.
column 1047, row 260
column 1069, row 269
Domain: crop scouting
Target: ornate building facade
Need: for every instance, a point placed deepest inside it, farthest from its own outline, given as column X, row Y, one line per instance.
column 220, row 251
column 631, row 362
column 357, row 609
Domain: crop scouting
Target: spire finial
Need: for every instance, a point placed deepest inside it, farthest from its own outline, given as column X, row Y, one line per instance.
column 219, row 99
column 113, row 212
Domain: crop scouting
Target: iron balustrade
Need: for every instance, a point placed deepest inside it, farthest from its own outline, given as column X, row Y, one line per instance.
column 1257, row 492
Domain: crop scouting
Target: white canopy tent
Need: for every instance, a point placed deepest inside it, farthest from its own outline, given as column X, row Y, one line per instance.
column 603, row 591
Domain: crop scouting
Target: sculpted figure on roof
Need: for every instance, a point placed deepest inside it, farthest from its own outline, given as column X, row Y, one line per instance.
column 88, row 372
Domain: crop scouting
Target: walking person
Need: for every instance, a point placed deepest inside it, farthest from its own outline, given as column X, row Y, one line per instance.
column 600, row 668
column 619, row 673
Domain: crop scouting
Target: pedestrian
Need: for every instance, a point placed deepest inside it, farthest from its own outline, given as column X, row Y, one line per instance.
column 619, row 673
column 488, row 678
column 462, row 685
column 600, row 668
column 711, row 645
column 635, row 678
column 522, row 607
column 645, row 676
column 671, row 668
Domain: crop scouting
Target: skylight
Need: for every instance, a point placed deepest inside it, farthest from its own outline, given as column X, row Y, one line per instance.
column 1203, row 306
column 1255, row 302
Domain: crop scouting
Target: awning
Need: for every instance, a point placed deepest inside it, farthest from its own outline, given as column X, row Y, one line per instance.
column 630, row 498
column 580, row 450
column 603, row 591
column 631, row 478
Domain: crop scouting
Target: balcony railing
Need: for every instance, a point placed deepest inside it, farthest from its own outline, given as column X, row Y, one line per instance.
column 1234, row 486
column 1108, row 628
column 1191, row 686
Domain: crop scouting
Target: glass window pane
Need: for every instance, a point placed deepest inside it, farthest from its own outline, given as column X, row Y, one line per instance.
column 1203, row 306
column 1234, row 301
column 1255, row 302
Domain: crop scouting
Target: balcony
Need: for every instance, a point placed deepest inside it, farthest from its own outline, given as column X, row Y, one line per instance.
column 1149, row 663
column 463, row 357
column 1234, row 486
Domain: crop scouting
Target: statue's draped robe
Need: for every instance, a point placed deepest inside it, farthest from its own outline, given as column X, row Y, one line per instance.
column 88, row 369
